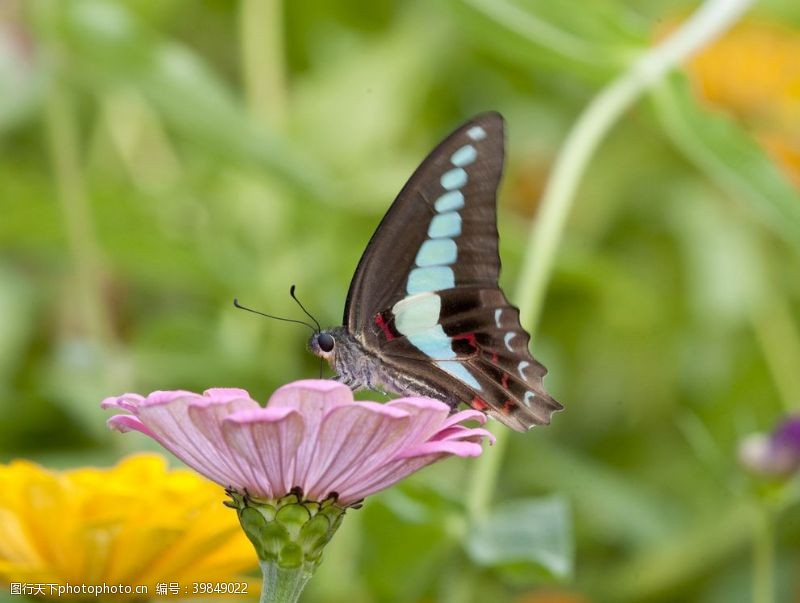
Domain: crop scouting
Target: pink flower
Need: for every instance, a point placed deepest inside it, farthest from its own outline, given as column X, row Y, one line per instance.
column 311, row 435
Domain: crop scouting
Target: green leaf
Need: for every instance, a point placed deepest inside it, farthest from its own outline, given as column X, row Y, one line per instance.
column 730, row 156
column 522, row 533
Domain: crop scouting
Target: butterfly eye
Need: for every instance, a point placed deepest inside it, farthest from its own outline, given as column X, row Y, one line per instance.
column 325, row 342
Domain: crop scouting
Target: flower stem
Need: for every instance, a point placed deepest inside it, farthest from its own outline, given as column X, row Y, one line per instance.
column 709, row 21
column 282, row 585
column 263, row 65
column 763, row 556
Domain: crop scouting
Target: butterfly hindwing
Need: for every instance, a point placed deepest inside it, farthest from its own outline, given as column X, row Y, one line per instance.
column 484, row 352
column 425, row 298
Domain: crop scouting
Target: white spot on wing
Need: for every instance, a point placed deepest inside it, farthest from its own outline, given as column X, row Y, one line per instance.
column 476, row 133
column 529, row 396
column 507, row 340
column 497, row 314
column 521, row 367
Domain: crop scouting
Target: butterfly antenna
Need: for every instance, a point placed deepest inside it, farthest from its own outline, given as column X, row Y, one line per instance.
column 300, row 322
column 303, row 308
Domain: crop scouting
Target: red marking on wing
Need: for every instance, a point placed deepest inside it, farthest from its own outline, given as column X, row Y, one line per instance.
column 384, row 326
column 469, row 338
column 508, row 407
column 478, row 404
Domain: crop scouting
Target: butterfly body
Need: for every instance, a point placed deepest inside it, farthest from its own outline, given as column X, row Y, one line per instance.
column 425, row 315
column 357, row 368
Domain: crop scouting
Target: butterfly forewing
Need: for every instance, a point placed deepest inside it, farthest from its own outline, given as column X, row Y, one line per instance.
column 425, row 298
column 435, row 199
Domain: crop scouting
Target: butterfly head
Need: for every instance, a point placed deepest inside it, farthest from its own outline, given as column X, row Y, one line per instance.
column 323, row 344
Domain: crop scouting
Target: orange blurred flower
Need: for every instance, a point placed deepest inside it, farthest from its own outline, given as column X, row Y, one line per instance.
column 137, row 523
column 753, row 72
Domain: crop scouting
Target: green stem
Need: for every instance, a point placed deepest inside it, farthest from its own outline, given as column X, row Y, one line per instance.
column 263, row 61
column 539, row 31
column 710, row 20
column 763, row 556
column 282, row 585
column 778, row 337
column 63, row 138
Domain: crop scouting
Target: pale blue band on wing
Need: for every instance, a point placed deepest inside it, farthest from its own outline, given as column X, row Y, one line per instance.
column 449, row 201
column 437, row 252
column 453, row 179
column 445, row 225
column 460, row 372
column 434, row 342
column 464, row 156
column 417, row 313
column 430, row 278
column 417, row 316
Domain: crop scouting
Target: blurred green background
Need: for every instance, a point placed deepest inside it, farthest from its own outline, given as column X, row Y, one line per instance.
column 160, row 157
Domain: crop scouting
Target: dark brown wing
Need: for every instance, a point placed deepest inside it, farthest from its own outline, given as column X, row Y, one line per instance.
column 488, row 342
column 425, row 298
column 382, row 273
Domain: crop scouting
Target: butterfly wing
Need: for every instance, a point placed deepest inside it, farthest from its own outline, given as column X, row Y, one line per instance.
column 425, row 298
column 381, row 275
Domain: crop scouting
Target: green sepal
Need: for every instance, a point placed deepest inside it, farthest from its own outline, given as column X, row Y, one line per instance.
column 289, row 532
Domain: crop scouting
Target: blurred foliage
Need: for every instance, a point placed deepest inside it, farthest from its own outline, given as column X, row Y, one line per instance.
column 142, row 189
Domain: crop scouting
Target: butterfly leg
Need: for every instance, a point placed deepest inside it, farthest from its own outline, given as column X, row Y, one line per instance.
column 350, row 381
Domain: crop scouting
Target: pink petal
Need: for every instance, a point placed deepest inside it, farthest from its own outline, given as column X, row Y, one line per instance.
column 456, row 440
column 427, row 416
column 313, row 398
column 457, row 432
column 465, row 415
column 267, row 439
column 125, row 423
column 129, row 402
column 312, row 435
column 167, row 415
column 223, row 394
column 207, row 415
column 159, row 398
column 354, row 440
column 399, row 468
column 454, row 448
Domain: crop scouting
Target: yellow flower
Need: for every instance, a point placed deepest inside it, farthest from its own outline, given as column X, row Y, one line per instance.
column 137, row 523
column 753, row 72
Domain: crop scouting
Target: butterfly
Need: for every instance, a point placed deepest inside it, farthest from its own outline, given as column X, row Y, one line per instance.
column 424, row 315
